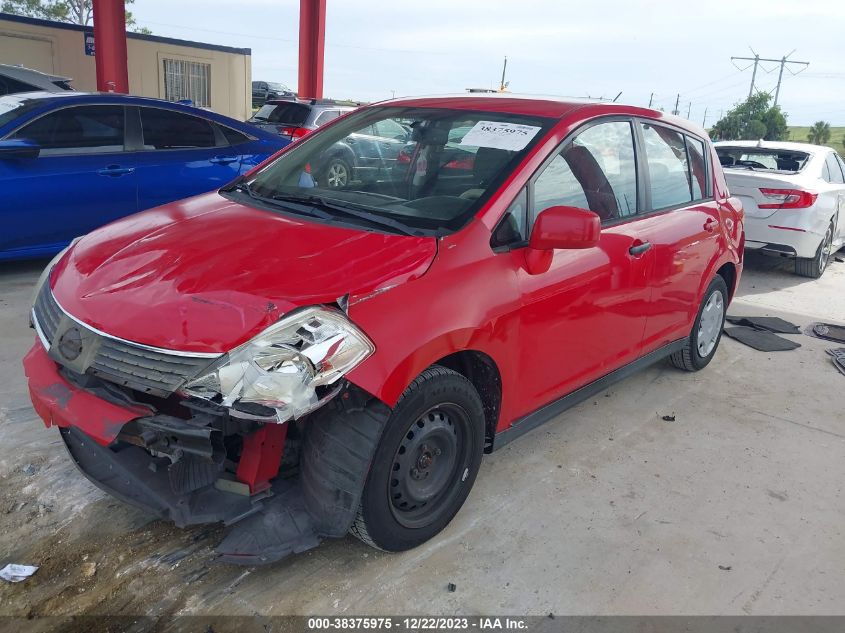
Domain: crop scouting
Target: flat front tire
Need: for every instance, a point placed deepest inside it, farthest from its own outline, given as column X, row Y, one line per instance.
column 425, row 464
column 703, row 341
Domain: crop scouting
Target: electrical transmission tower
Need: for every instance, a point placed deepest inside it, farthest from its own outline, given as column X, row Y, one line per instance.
column 783, row 61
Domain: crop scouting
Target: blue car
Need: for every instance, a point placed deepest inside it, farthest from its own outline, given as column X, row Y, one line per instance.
column 71, row 162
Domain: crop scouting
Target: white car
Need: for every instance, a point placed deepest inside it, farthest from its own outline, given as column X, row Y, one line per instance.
column 794, row 198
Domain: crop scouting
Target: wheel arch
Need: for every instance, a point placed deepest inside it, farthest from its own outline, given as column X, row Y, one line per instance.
column 481, row 370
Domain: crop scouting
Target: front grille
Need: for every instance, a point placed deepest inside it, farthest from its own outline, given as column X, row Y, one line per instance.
column 153, row 371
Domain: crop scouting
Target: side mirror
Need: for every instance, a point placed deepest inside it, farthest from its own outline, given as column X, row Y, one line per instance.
column 565, row 227
column 18, row 148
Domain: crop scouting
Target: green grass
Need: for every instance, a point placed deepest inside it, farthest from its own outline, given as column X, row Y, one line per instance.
column 799, row 133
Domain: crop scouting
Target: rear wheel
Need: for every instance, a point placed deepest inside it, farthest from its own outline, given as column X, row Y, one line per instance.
column 815, row 267
column 425, row 463
column 701, row 345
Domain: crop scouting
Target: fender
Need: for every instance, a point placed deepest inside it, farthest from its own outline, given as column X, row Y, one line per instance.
column 417, row 323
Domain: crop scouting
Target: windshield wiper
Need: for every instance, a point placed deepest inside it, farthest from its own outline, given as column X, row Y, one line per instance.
column 312, row 211
column 349, row 209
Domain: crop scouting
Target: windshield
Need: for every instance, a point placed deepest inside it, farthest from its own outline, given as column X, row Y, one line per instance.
column 421, row 168
column 758, row 158
column 277, row 87
column 13, row 106
column 293, row 113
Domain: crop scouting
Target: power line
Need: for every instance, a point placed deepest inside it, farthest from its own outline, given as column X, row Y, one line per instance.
column 783, row 61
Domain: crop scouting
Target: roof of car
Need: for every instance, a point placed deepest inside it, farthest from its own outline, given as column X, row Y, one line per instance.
column 112, row 97
column 30, row 75
column 781, row 145
column 535, row 105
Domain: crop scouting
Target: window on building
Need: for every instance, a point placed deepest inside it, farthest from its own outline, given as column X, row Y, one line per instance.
column 187, row 80
column 165, row 129
column 95, row 129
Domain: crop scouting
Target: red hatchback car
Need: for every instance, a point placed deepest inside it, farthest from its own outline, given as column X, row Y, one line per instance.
column 303, row 361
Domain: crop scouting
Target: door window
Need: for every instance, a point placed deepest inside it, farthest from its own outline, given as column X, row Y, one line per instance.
column 698, row 168
column 388, row 128
column 233, row 137
column 841, row 163
column 78, row 130
column 667, row 165
column 834, row 170
column 165, row 129
column 596, row 170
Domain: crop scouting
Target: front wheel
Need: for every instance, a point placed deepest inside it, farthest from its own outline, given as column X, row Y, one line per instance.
column 425, row 463
column 701, row 345
column 814, row 267
column 337, row 174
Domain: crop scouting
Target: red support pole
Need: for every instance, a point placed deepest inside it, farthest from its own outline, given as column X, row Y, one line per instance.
column 312, row 44
column 110, row 45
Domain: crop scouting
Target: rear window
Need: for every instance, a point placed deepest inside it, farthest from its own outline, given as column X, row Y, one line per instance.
column 292, row 113
column 758, row 158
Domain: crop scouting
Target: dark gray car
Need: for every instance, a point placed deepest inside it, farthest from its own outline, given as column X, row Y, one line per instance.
column 263, row 91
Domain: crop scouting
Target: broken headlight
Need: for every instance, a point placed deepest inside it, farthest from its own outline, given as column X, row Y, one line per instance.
column 285, row 366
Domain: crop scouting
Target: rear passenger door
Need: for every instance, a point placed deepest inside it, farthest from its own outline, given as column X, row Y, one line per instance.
column 682, row 223
column 180, row 155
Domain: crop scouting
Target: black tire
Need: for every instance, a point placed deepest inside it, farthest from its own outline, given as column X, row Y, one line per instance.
column 691, row 357
column 433, row 443
column 337, row 174
column 815, row 267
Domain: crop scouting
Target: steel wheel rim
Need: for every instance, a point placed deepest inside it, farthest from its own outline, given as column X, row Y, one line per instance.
column 427, row 465
column 337, row 175
column 710, row 324
column 826, row 249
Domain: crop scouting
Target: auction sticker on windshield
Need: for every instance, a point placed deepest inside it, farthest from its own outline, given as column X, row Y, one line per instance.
column 510, row 136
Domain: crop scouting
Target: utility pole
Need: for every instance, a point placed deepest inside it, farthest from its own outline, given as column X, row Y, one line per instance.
column 783, row 61
column 689, row 109
column 704, row 120
column 677, row 101
column 503, row 85
column 650, row 99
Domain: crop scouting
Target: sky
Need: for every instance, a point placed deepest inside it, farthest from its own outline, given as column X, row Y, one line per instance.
column 647, row 50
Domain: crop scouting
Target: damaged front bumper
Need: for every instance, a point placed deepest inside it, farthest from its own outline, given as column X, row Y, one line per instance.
column 204, row 468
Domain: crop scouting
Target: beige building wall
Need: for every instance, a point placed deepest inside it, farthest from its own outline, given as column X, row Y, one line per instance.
column 60, row 49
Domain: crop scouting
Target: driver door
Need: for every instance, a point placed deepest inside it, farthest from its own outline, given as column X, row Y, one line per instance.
column 585, row 315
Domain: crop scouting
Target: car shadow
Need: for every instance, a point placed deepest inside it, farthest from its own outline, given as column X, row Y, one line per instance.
column 764, row 273
column 24, row 268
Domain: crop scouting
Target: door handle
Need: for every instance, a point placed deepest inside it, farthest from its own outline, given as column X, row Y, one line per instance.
column 115, row 170
column 710, row 225
column 639, row 247
column 223, row 160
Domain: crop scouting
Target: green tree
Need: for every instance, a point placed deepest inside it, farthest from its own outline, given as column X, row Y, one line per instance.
column 819, row 133
column 73, row 11
column 752, row 119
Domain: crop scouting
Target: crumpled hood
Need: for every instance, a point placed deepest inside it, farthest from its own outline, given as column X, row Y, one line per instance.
column 206, row 274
